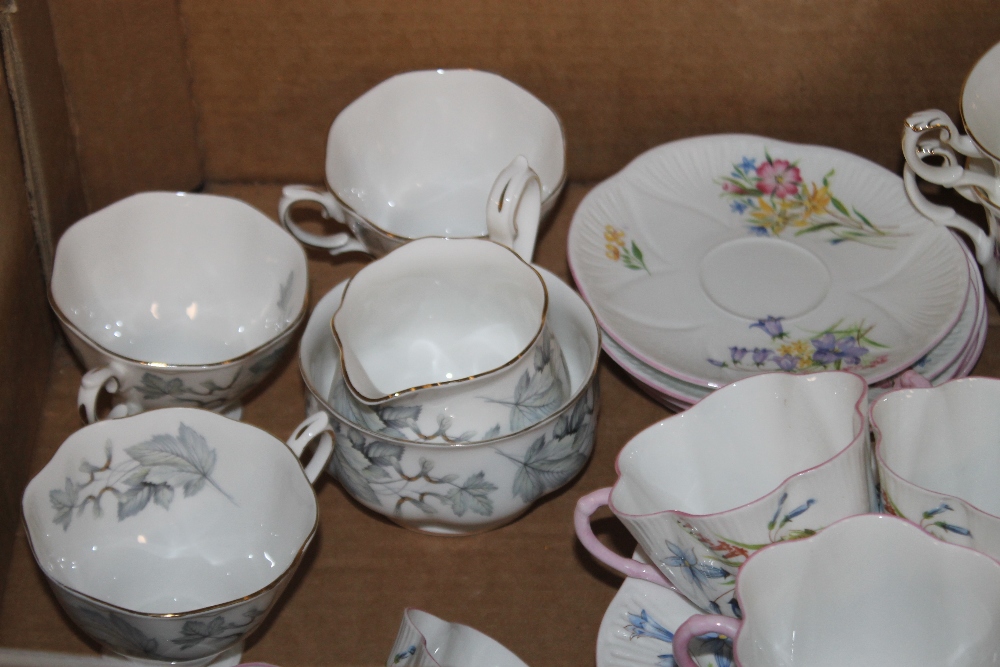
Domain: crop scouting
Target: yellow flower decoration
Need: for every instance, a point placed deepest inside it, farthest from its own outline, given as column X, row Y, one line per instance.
column 613, row 252
column 615, row 236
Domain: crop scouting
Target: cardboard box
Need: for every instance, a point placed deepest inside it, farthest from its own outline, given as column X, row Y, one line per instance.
column 106, row 98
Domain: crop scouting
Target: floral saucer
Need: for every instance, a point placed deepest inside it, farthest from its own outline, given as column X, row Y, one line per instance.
column 716, row 257
column 949, row 358
column 638, row 628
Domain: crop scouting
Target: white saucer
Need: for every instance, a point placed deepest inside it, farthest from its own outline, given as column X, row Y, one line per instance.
column 684, row 269
column 941, row 364
column 638, row 628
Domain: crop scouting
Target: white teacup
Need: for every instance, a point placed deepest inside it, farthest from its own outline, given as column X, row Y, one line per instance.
column 174, row 299
column 868, row 590
column 167, row 536
column 453, row 335
column 772, row 458
column 424, row 640
column 980, row 109
column 933, row 134
column 462, row 488
column 456, row 153
column 938, row 460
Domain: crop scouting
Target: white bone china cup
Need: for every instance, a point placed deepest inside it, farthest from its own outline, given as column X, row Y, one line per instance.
column 933, row 134
column 452, row 337
column 456, row 153
column 767, row 459
column 938, row 460
column 868, row 590
column 168, row 535
column 461, row 488
column 176, row 300
column 424, row 640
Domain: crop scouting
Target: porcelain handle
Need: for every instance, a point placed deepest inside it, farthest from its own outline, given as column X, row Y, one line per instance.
column 943, row 215
column 951, row 174
column 92, row 384
column 317, row 425
column 514, row 208
column 696, row 626
column 331, row 208
column 585, row 508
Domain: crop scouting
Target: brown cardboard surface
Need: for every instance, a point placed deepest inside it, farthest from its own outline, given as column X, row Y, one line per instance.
column 270, row 76
column 129, row 96
column 26, row 335
column 51, row 172
column 529, row 584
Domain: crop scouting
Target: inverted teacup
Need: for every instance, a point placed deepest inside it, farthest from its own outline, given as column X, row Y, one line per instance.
column 437, row 153
column 869, row 590
column 461, row 488
column 938, row 460
column 771, row 458
column 174, row 299
column 424, row 640
column 450, row 337
column 169, row 535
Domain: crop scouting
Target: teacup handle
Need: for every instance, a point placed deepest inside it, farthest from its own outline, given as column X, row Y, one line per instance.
column 951, row 174
column 317, row 425
column 92, row 384
column 514, row 208
column 947, row 216
column 696, row 626
column 331, row 208
column 585, row 508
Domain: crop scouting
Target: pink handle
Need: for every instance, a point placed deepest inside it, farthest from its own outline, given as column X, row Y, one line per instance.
column 585, row 508
column 911, row 380
column 696, row 626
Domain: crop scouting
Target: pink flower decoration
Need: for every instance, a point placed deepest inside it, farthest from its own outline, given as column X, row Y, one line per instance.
column 730, row 187
column 778, row 178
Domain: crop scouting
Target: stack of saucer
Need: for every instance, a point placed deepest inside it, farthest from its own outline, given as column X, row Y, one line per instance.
column 713, row 258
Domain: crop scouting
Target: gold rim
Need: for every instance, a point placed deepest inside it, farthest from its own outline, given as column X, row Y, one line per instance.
column 573, row 400
column 410, row 390
column 292, row 566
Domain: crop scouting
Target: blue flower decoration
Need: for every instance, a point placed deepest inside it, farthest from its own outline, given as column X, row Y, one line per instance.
column 771, row 326
column 830, row 349
column 699, row 573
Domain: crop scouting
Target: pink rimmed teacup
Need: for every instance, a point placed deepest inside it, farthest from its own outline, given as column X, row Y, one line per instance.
column 938, row 460
column 424, row 640
column 771, row 458
column 869, row 590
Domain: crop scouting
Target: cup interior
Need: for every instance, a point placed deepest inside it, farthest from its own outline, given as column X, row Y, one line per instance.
column 164, row 512
column 178, row 278
column 980, row 102
column 436, row 311
column 944, row 438
column 739, row 443
column 869, row 590
column 418, row 154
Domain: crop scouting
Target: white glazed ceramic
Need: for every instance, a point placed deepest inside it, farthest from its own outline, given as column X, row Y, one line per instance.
column 425, row 640
column 168, row 535
column 946, row 361
column 868, row 590
column 770, row 458
column 463, row 488
column 716, row 257
column 638, row 628
column 938, row 461
column 980, row 109
column 448, row 341
column 458, row 153
column 174, row 299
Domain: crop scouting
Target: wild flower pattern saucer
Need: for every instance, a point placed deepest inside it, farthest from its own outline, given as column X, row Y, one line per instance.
column 716, row 257
column 638, row 628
